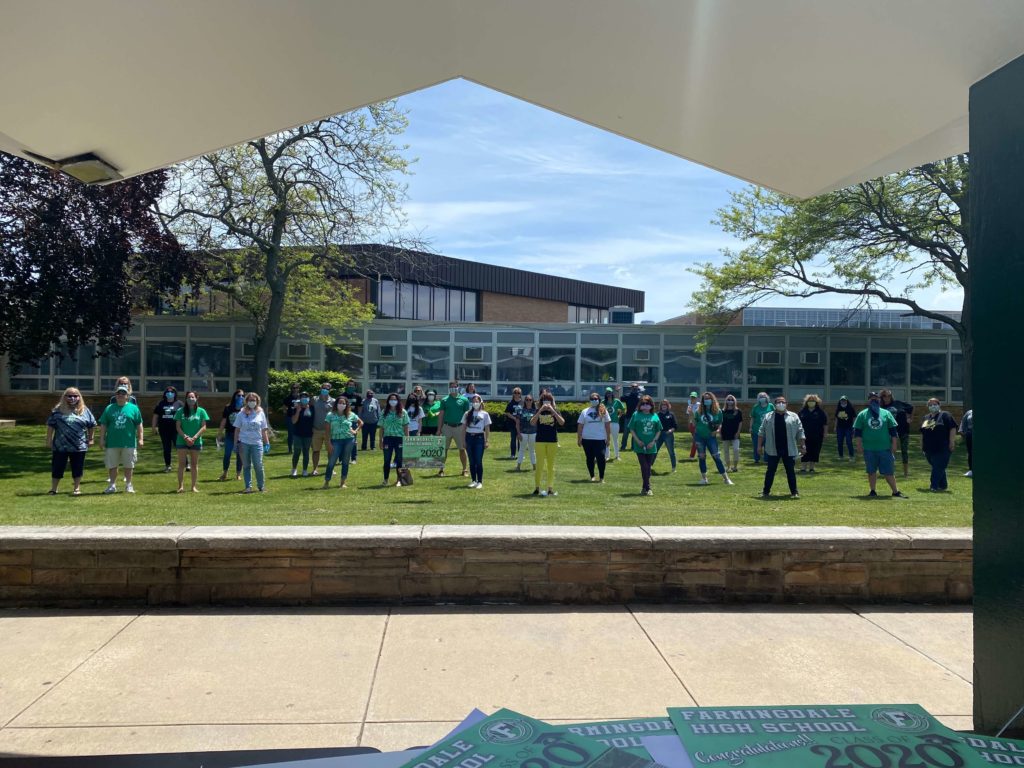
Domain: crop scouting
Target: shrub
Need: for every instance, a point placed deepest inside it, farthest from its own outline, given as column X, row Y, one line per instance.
column 308, row 381
column 502, row 422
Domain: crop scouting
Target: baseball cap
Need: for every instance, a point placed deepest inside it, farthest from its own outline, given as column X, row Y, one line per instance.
column 694, row 394
column 122, row 388
column 608, row 389
column 873, row 395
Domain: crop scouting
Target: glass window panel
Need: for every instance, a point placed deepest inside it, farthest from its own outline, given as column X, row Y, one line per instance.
column 724, row 367
column 927, row 370
column 647, row 373
column 505, row 390
column 558, row 364
column 477, row 337
column 387, row 334
column 245, row 369
column 469, row 315
column 562, row 390
column 682, row 365
column 767, row 342
column 925, row 394
column 387, row 371
column 434, row 336
column 440, row 308
column 515, row 364
column 957, row 395
column 515, row 337
column 30, row 383
column 384, row 388
column 345, row 359
column 473, row 372
column 762, row 376
column 128, row 364
column 847, row 369
column 423, row 302
column 956, row 370
column 888, row 369
column 598, row 363
column 430, row 362
column 572, row 313
column 386, row 299
column 888, row 342
column 406, row 297
column 165, row 364
column 807, row 377
column 211, row 360
column 206, row 331
column 558, row 338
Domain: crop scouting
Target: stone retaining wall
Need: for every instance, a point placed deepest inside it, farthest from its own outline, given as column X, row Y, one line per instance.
column 428, row 564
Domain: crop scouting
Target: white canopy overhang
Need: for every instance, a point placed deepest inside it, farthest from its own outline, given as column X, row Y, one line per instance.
column 803, row 96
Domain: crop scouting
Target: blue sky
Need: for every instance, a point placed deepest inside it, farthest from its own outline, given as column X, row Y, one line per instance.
column 504, row 182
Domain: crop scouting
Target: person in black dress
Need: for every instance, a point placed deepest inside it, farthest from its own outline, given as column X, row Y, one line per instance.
column 815, row 423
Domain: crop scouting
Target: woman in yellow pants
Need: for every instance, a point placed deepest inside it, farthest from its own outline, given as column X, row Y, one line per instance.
column 548, row 420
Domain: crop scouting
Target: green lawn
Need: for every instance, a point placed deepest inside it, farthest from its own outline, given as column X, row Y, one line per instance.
column 835, row 495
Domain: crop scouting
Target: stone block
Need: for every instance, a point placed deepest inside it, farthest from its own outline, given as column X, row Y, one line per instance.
column 636, row 568
column 217, row 559
column 64, row 558
column 245, row 575
column 744, row 584
column 812, row 555
column 917, row 554
column 757, row 559
column 300, row 537
column 221, row 593
column 704, row 561
column 896, row 569
column 358, row 568
column 519, row 571
column 801, row 592
column 852, row 574
column 435, row 565
column 79, row 576
column 619, row 580
column 583, row 556
column 152, row 575
column 802, row 575
column 90, row 537
column 909, row 587
column 16, row 557
column 570, row 593
column 633, row 556
column 381, row 587
column 535, row 537
column 138, row 558
column 960, row 589
column 706, row 578
column 503, row 555
column 578, row 573
column 15, row 575
column 964, row 555
column 867, row 555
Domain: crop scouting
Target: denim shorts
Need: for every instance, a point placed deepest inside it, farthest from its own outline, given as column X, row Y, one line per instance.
column 879, row 461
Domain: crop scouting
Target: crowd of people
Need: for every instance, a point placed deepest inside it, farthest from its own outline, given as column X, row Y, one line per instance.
column 335, row 422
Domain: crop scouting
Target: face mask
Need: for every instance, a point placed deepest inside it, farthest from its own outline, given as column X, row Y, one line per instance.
column 645, row 408
column 252, row 405
column 595, row 402
column 430, row 398
column 477, row 406
column 239, row 400
column 844, row 403
column 762, row 400
column 780, row 407
column 304, row 400
column 350, row 389
column 547, row 402
column 342, row 407
column 453, row 390
column 873, row 406
column 933, row 408
column 811, row 405
column 707, row 403
column 192, row 401
column 324, row 392
column 664, row 408
column 392, row 403
column 169, row 396
column 729, row 404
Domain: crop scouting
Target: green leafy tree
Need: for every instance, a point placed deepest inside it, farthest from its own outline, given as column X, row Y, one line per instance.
column 882, row 242
column 272, row 217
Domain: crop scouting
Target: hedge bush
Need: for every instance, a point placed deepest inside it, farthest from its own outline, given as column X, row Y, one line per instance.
column 308, row 381
column 501, row 421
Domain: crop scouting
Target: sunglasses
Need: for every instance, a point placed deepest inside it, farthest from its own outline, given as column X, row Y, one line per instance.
column 72, row 397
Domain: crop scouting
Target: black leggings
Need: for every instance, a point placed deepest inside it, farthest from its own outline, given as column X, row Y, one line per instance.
column 168, row 437
column 369, row 433
column 594, row 450
column 392, row 447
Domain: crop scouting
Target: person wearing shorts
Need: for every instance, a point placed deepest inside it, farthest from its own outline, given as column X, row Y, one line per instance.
column 190, row 421
column 121, row 435
column 877, row 438
column 453, row 408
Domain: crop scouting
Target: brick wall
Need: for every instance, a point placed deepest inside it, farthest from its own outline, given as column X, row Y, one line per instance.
column 414, row 564
column 503, row 308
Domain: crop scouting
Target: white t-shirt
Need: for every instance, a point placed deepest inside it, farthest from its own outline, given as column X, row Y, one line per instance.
column 593, row 424
column 475, row 421
column 414, row 418
column 250, row 427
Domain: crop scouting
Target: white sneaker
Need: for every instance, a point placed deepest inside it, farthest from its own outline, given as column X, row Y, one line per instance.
column 472, row 484
column 129, row 488
column 543, row 493
column 703, row 481
column 479, row 486
column 295, row 473
column 969, row 473
column 111, row 488
column 728, row 481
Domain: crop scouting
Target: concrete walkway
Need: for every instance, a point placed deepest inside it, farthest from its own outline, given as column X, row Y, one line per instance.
column 101, row 682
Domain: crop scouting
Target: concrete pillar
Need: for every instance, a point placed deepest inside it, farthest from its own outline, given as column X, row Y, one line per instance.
column 997, row 284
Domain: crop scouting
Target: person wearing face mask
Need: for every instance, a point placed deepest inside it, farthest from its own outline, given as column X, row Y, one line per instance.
column 190, row 422
column 512, row 409
column 291, row 402
column 252, row 435
column 163, row 422
column 668, row 433
column 121, row 434
column 593, row 434
column 780, row 438
column 903, row 412
column 527, row 433
column 938, row 440
column 124, row 381
column 69, row 433
column 762, row 407
column 341, row 426
column 815, row 428
column 369, row 414
column 322, row 405
column 431, row 409
column 453, row 408
column 416, row 414
column 547, row 420
column 845, row 415
column 708, row 423
column 967, row 430
column 732, row 422
column 301, row 423
column 692, row 407
column 631, row 400
column 645, row 429
column 226, row 433
column 617, row 410
column 355, row 402
column 877, row 438
column 394, row 427
column 476, row 428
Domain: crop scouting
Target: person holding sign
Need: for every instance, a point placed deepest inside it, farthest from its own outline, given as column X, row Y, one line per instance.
column 394, row 427
column 453, row 408
column 593, row 434
column 476, row 434
column 645, row 429
column 340, row 426
column 547, row 419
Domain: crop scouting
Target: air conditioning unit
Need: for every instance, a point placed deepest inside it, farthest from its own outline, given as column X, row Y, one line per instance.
column 296, row 351
column 810, row 358
column 387, row 352
column 641, row 355
column 769, row 357
column 473, row 354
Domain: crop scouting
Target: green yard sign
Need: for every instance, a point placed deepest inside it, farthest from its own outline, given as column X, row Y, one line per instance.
column 423, row 452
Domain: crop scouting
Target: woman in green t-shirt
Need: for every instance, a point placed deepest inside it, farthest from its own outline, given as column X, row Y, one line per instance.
column 645, row 429
column 708, row 422
column 190, row 423
column 394, row 428
column 341, row 426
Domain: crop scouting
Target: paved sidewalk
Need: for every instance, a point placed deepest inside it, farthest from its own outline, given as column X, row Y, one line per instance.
column 96, row 682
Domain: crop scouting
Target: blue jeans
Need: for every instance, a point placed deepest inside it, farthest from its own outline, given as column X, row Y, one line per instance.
column 229, row 446
column 705, row 444
column 844, row 437
column 939, row 462
column 341, row 451
column 291, row 434
column 668, row 439
column 753, row 443
column 252, row 459
column 475, row 452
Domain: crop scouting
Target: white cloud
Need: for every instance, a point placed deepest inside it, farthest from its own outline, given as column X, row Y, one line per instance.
column 458, row 213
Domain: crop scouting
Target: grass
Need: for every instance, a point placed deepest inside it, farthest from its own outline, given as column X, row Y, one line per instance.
column 835, row 495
